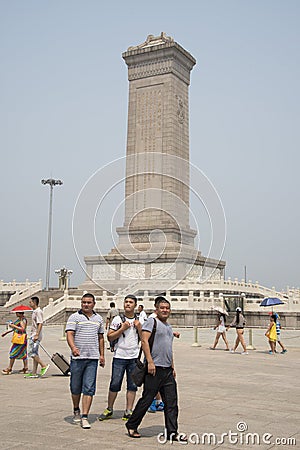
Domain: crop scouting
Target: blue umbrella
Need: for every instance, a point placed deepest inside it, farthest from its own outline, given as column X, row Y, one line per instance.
column 271, row 301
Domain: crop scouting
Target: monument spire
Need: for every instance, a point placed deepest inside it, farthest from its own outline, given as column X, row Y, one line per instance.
column 157, row 167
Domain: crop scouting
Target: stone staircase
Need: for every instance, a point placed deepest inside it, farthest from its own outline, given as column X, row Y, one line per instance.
column 44, row 296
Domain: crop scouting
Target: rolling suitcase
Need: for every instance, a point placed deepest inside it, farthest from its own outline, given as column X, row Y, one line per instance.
column 59, row 360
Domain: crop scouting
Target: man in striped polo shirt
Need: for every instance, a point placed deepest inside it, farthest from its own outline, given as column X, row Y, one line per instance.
column 85, row 338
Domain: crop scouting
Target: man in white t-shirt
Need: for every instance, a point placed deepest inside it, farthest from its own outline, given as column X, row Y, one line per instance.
column 142, row 314
column 35, row 339
column 127, row 329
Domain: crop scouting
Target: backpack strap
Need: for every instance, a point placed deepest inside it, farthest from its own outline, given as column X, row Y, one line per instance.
column 123, row 318
column 151, row 338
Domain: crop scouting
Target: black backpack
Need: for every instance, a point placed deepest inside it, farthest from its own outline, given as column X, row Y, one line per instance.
column 112, row 344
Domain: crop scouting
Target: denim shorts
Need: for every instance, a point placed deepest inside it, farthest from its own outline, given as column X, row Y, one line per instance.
column 83, row 376
column 119, row 366
column 33, row 348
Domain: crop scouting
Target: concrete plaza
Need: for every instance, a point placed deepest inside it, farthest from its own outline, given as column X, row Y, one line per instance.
column 219, row 393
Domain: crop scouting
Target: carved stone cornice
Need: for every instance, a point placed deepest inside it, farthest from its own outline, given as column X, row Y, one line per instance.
column 153, row 40
column 165, row 56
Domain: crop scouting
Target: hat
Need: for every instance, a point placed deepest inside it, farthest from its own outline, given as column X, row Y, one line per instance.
column 238, row 309
column 21, row 309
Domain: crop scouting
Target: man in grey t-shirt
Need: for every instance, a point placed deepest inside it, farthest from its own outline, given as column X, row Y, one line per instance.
column 113, row 312
column 161, row 374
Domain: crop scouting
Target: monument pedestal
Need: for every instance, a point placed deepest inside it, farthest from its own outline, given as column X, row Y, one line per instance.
column 114, row 272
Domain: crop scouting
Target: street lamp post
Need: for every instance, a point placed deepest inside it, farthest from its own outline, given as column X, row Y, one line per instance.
column 51, row 183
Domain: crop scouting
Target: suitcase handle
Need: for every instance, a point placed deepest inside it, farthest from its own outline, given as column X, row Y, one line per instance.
column 42, row 347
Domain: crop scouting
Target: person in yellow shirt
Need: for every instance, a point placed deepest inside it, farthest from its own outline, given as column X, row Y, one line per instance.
column 272, row 334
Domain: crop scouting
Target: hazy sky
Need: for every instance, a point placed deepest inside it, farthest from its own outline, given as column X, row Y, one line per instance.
column 63, row 114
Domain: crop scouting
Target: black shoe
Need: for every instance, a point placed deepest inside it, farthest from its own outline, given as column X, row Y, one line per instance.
column 127, row 415
column 181, row 437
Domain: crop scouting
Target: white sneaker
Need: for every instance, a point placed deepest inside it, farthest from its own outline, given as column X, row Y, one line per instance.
column 232, row 351
column 244, row 353
column 77, row 417
column 85, row 423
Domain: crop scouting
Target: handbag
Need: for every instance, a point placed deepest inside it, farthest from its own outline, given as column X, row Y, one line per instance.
column 140, row 371
column 18, row 338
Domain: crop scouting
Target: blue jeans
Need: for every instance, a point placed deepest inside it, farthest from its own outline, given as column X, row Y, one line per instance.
column 83, row 376
column 119, row 366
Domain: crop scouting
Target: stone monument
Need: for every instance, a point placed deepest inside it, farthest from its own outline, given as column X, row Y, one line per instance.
column 156, row 243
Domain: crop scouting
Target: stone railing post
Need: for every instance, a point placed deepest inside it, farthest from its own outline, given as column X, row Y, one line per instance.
column 196, row 343
column 250, row 345
column 211, row 298
column 191, row 299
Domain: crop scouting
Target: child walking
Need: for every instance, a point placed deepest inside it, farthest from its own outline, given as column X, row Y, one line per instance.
column 272, row 334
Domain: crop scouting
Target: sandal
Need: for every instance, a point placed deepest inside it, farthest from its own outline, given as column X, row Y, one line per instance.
column 23, row 371
column 179, row 438
column 6, row 371
column 133, row 434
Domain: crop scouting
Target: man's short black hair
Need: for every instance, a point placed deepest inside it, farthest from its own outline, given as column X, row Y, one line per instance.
column 112, row 304
column 89, row 295
column 160, row 300
column 133, row 297
column 35, row 300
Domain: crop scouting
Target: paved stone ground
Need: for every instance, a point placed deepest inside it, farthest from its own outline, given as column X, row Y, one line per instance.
column 217, row 391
